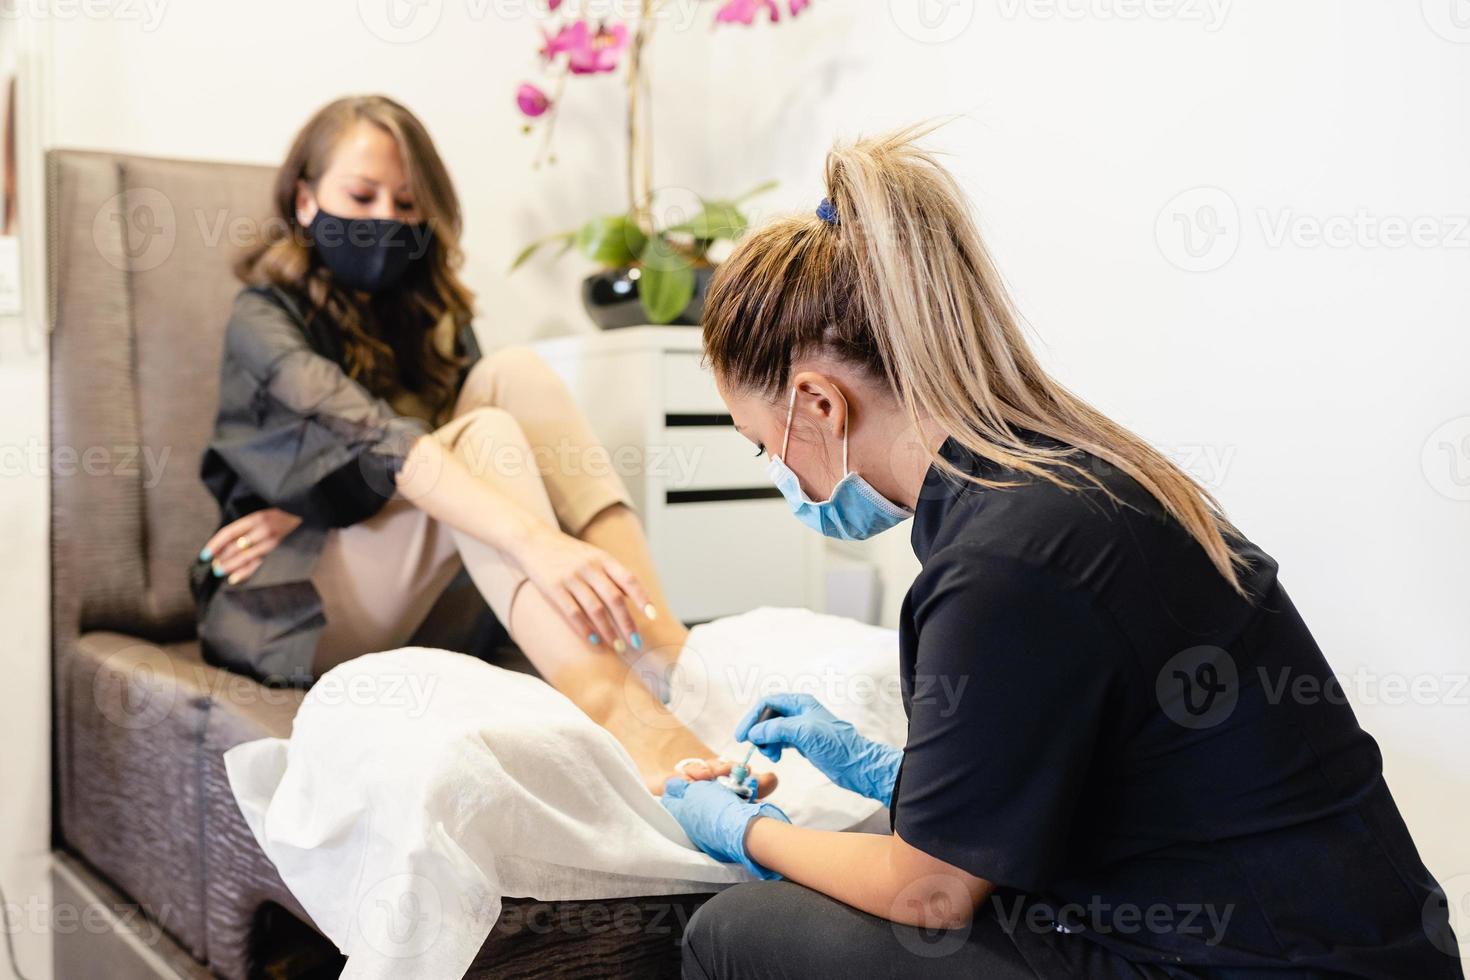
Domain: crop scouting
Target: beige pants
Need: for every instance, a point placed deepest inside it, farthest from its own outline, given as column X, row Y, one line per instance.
column 515, row 425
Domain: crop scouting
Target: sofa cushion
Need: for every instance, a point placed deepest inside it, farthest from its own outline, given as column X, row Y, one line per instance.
column 133, row 799
column 200, row 219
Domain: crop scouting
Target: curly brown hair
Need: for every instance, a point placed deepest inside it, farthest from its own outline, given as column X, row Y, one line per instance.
column 387, row 340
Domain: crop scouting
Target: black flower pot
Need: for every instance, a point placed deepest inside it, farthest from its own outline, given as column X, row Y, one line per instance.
column 611, row 299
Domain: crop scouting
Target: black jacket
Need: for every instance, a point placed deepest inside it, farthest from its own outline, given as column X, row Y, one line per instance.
column 293, row 431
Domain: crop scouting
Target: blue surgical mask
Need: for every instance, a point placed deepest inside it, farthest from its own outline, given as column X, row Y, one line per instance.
column 854, row 511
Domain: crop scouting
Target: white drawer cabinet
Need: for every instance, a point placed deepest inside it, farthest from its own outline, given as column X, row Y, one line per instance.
column 722, row 537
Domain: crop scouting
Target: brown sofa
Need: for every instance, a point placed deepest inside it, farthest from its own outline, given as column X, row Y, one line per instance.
column 139, row 256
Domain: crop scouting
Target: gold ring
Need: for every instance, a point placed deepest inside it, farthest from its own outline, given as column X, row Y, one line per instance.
column 243, row 542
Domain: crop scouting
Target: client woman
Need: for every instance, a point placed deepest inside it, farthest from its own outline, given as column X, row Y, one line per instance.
column 363, row 451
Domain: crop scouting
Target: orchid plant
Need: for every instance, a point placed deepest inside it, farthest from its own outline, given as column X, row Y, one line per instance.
column 665, row 257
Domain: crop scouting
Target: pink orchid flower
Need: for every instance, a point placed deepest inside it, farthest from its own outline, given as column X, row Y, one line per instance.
column 562, row 41
column 746, row 11
column 531, row 100
column 600, row 52
column 588, row 52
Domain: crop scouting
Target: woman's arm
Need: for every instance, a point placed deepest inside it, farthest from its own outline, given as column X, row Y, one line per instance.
column 354, row 451
column 590, row 587
column 882, row 875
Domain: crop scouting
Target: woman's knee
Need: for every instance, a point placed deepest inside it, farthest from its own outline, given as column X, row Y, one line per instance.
column 490, row 440
column 516, row 359
column 487, row 421
column 508, row 365
column 730, row 929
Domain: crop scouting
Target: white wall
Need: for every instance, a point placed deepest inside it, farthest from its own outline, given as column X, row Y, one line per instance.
column 1308, row 384
column 25, row 750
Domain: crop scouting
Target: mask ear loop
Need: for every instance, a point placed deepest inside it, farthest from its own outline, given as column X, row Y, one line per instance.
column 790, row 412
column 845, row 421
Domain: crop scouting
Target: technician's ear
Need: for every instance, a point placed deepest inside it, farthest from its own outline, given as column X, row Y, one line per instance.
column 305, row 204
column 820, row 403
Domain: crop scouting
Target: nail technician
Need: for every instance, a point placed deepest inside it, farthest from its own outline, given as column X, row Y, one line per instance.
column 1121, row 788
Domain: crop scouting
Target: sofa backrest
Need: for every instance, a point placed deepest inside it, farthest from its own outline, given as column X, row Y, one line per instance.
column 140, row 255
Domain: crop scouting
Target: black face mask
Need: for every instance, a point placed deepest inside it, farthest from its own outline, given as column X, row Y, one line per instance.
column 369, row 254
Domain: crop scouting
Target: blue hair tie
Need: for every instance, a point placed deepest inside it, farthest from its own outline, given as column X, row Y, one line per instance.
column 827, row 211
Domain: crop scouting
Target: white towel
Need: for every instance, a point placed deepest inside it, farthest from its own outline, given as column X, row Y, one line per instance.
column 419, row 786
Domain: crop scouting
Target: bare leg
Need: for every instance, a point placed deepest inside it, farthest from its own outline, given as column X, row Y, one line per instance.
column 577, row 476
column 594, row 678
column 611, row 695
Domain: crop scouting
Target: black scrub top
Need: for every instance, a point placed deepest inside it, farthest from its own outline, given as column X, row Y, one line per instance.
column 1136, row 756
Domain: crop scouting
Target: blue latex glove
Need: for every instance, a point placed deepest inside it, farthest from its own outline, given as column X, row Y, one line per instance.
column 832, row 745
column 715, row 819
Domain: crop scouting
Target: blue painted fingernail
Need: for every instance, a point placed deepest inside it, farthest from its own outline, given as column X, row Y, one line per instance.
column 205, row 554
column 637, row 640
column 219, row 570
column 593, row 639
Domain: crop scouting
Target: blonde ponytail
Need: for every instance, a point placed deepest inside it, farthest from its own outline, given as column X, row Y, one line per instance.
column 901, row 285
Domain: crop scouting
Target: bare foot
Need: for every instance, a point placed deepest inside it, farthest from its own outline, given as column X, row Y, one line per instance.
column 657, row 742
column 620, row 700
column 765, row 782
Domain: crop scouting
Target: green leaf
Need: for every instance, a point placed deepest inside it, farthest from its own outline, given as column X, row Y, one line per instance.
column 666, row 283
column 660, row 252
column 525, row 254
column 760, row 188
column 611, row 241
column 719, row 219
column 665, row 291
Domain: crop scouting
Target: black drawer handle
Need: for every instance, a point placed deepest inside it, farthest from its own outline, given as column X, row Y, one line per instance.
column 687, row 419
column 712, row 496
